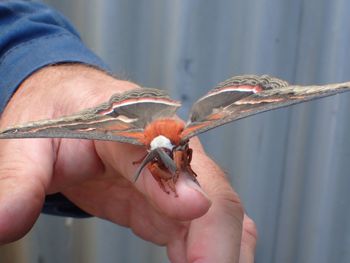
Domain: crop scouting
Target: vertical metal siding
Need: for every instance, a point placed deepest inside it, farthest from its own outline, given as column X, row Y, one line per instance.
column 290, row 167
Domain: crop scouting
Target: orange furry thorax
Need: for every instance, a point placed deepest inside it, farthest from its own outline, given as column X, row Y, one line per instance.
column 170, row 128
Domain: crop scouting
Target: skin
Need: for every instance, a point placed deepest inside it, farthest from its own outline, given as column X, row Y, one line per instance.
column 204, row 224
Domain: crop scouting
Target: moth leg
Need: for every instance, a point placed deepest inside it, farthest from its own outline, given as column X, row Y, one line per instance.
column 178, row 159
column 162, row 176
column 172, row 187
column 189, row 153
column 183, row 160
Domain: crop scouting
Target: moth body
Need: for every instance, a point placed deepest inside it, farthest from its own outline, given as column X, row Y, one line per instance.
column 169, row 128
column 167, row 154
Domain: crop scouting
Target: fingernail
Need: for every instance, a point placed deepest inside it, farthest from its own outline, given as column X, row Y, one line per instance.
column 200, row 261
column 193, row 183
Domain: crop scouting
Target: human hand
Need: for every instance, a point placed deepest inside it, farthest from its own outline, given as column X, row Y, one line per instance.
column 201, row 225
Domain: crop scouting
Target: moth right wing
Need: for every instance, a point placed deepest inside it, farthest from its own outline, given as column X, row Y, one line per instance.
column 246, row 95
column 122, row 119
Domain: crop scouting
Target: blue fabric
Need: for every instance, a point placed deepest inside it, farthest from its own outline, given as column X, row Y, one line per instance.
column 58, row 205
column 32, row 36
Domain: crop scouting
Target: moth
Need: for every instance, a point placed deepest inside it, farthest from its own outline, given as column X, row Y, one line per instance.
column 146, row 117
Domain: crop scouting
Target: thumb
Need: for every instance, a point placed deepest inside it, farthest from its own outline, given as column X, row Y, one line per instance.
column 191, row 202
column 25, row 167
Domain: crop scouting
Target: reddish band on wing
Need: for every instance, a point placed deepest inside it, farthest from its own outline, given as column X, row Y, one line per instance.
column 243, row 88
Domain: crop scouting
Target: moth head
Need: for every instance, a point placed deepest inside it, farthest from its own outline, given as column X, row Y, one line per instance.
column 161, row 151
column 161, row 142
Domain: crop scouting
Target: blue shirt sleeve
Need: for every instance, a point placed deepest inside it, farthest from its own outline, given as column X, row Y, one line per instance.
column 32, row 36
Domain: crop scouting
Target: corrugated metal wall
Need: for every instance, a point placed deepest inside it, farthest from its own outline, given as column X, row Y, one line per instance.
column 291, row 166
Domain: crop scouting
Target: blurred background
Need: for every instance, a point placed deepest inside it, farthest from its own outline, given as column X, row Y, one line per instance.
column 290, row 166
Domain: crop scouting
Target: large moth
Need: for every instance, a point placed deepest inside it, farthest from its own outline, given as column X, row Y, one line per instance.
column 147, row 117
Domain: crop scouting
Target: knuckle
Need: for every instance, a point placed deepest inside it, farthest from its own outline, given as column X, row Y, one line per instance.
column 250, row 231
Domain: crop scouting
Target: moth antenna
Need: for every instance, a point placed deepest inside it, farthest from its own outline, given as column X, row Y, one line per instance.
column 149, row 157
column 162, row 156
column 166, row 160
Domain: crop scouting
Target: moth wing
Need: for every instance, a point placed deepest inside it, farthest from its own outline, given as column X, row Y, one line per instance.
column 246, row 95
column 122, row 119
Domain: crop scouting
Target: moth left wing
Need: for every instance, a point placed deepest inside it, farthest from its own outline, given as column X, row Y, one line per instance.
column 122, row 118
column 246, row 95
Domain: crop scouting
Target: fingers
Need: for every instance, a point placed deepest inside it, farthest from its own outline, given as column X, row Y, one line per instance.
column 23, row 176
column 216, row 236
column 249, row 238
column 191, row 202
column 222, row 233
